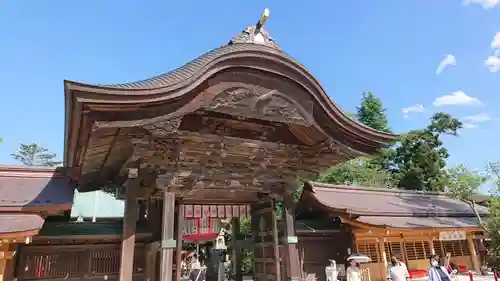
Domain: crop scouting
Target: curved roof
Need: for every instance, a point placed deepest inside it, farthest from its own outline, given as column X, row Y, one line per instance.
column 241, row 52
column 18, row 225
column 382, row 202
column 34, row 189
column 395, row 208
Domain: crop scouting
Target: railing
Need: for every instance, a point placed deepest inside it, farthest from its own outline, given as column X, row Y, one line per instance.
column 52, row 262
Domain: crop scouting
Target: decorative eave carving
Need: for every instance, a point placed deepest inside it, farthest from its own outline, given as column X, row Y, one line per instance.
column 251, row 103
column 165, row 128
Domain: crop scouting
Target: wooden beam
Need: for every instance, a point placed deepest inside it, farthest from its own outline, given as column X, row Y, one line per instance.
column 129, row 226
column 168, row 244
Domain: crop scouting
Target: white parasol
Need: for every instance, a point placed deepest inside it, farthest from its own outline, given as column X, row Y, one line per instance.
column 359, row 258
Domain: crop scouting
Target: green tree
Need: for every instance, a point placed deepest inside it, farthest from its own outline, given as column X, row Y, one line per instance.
column 361, row 171
column 418, row 159
column 35, row 155
column 372, row 113
column 493, row 222
column 245, row 232
column 463, row 184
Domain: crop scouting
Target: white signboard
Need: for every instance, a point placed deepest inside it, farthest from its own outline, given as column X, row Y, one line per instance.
column 452, row 235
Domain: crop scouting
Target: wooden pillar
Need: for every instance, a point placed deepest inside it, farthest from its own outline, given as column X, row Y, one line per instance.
column 236, row 255
column 129, row 226
column 383, row 256
column 4, row 248
column 151, row 254
column 9, row 263
column 476, row 265
column 168, row 243
column 292, row 261
column 431, row 245
column 178, row 251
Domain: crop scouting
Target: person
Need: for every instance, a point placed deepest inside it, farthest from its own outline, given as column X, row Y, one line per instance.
column 436, row 271
column 447, row 263
column 195, row 272
column 353, row 272
column 397, row 270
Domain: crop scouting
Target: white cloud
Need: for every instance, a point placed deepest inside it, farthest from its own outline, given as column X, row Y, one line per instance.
column 479, row 118
column 486, row 4
column 495, row 44
column 493, row 63
column 416, row 108
column 448, row 60
column 468, row 126
column 456, row 98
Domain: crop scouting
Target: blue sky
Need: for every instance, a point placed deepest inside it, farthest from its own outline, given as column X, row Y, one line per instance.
column 392, row 48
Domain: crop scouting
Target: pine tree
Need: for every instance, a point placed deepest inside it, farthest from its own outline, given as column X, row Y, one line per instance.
column 34, row 155
column 372, row 113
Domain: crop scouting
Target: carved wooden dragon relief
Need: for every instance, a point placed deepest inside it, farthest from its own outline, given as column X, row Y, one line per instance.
column 249, row 102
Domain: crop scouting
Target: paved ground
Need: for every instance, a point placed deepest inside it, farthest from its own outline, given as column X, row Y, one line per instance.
column 460, row 278
column 466, row 278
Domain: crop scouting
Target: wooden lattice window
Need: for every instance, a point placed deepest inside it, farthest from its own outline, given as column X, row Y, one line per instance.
column 465, row 248
column 427, row 249
column 106, row 261
column 448, row 248
column 370, row 250
column 51, row 264
column 438, row 248
column 393, row 249
column 416, row 250
column 456, row 248
column 73, row 261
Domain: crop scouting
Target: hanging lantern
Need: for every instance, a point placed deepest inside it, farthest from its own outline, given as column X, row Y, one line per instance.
column 200, row 225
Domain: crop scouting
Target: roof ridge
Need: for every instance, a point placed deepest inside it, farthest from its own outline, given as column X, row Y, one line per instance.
column 395, row 191
column 31, row 172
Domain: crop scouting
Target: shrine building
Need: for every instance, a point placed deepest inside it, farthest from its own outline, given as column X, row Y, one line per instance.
column 224, row 136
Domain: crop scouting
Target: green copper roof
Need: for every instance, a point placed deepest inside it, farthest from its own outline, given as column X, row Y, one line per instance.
column 74, row 229
column 98, row 203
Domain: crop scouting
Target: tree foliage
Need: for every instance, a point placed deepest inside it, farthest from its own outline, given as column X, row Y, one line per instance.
column 493, row 223
column 372, row 113
column 418, row 159
column 35, row 155
column 415, row 161
column 361, row 171
column 463, row 184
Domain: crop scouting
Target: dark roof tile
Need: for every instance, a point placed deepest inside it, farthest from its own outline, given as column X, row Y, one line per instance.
column 367, row 201
column 37, row 188
column 12, row 223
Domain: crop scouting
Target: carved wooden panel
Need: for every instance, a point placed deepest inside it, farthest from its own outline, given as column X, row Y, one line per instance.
column 255, row 95
column 265, row 234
